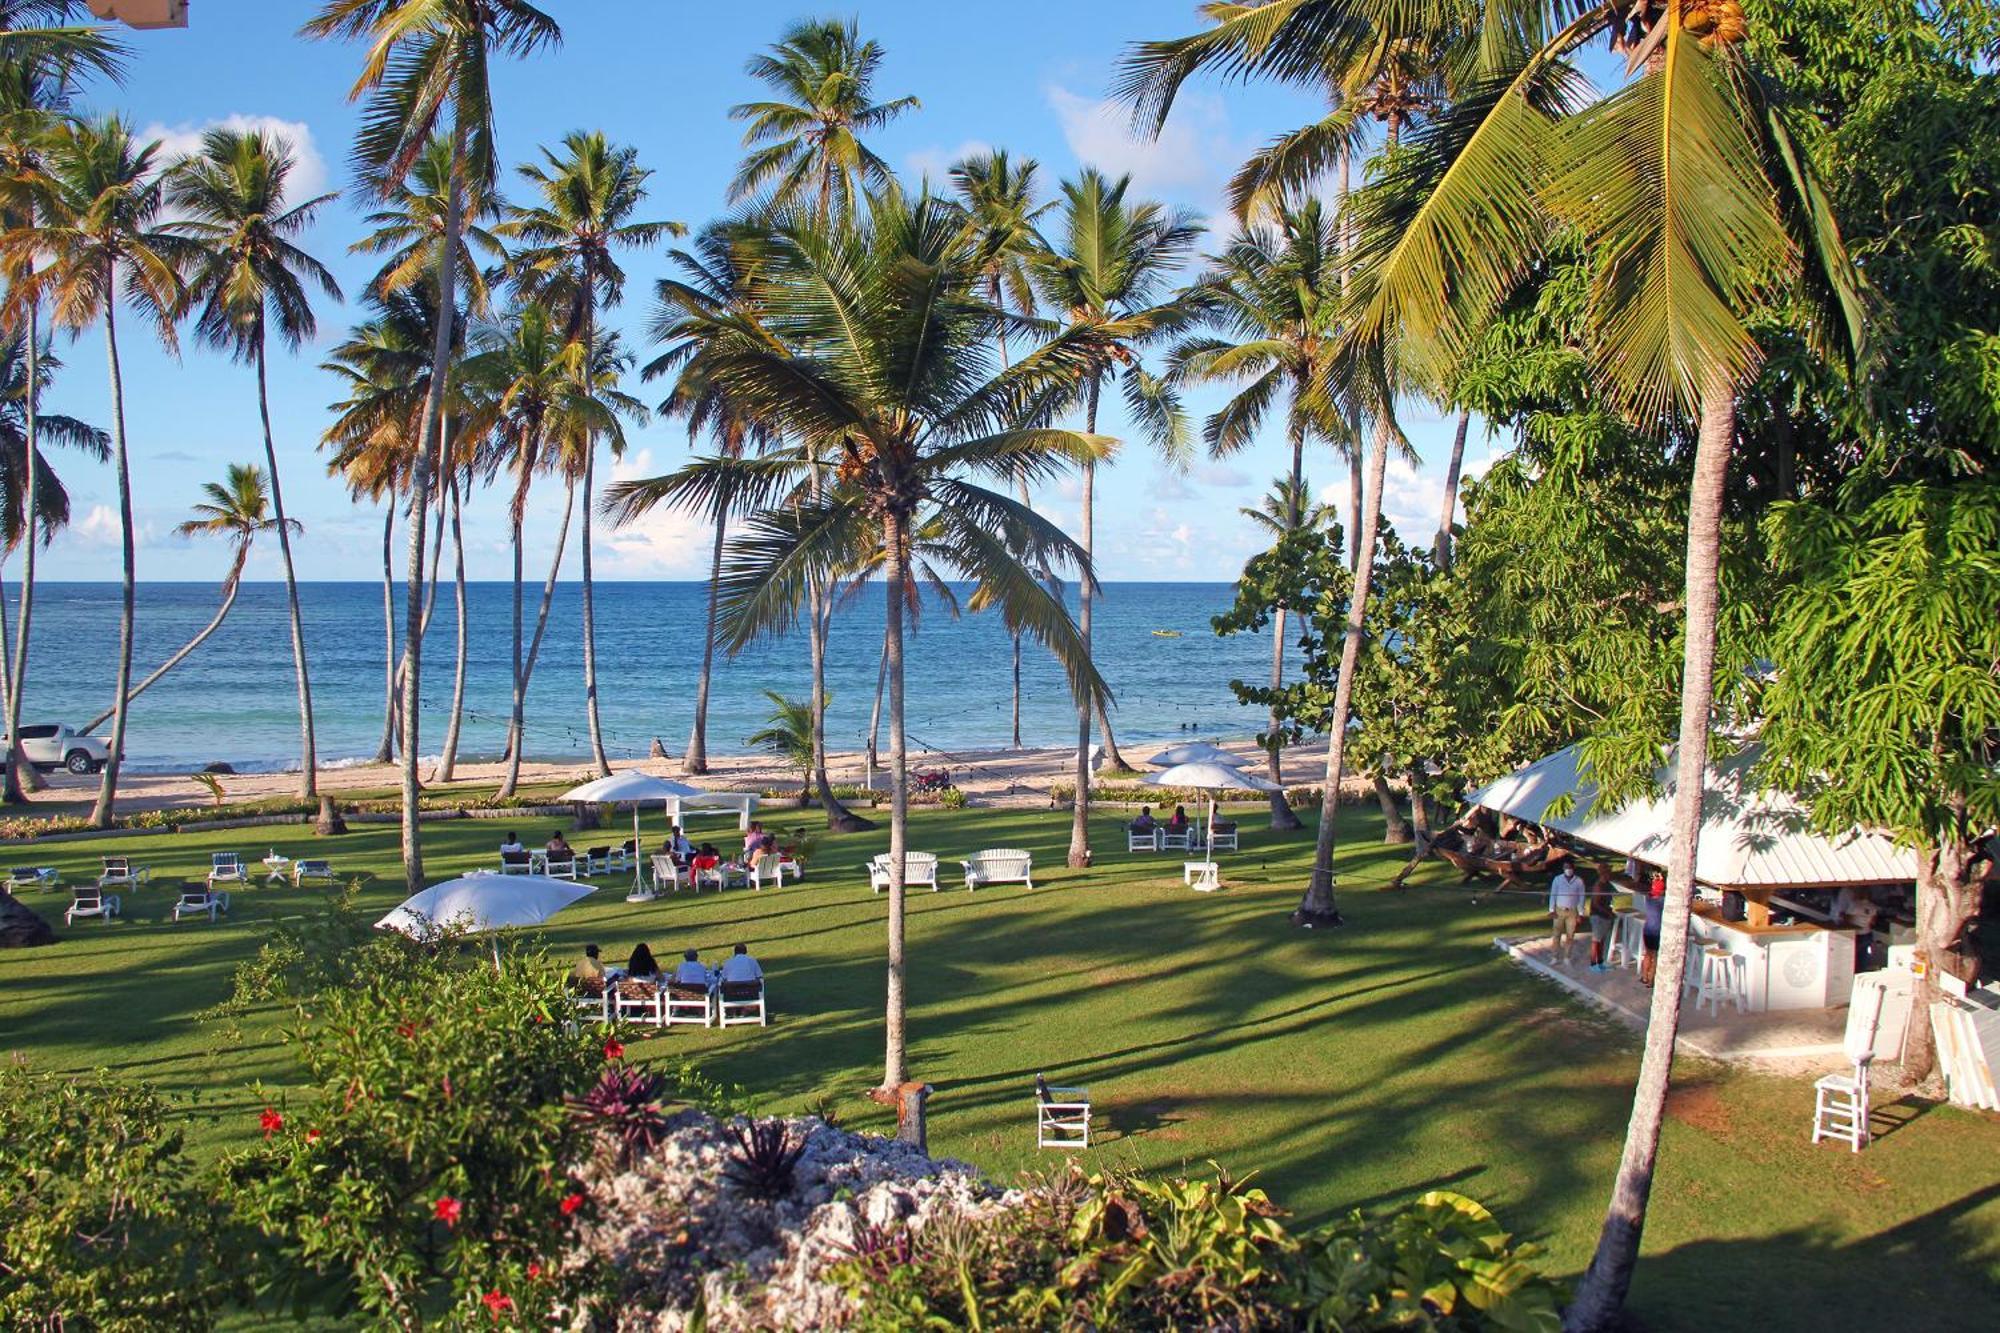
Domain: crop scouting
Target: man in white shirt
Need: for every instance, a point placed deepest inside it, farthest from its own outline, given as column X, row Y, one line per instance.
column 1566, row 896
column 513, row 844
column 691, row 972
column 682, row 848
column 740, row 966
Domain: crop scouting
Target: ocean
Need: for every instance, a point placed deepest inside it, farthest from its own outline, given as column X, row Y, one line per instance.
column 233, row 700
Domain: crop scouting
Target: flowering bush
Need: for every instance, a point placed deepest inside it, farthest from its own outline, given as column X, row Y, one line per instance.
column 103, row 1228
column 425, row 1175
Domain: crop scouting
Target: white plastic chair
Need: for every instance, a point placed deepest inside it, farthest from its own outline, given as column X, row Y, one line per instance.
column 33, row 877
column 91, row 902
column 517, row 863
column 1175, row 840
column 318, row 870
column 592, row 999
column 1148, row 841
column 640, row 1001
column 226, row 868
column 689, row 1004
column 666, row 871
column 1223, row 839
column 1062, row 1116
column 202, row 901
column 560, row 867
column 120, row 873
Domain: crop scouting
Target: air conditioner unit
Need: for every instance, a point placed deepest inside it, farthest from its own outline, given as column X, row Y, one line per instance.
column 143, row 13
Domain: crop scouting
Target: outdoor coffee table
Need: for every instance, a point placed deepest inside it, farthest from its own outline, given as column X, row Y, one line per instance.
column 1205, row 876
column 278, row 868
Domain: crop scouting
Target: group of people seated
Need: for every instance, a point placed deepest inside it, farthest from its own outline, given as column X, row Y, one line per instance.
column 1145, row 823
column 758, row 845
column 558, row 846
column 1527, row 846
column 590, row 971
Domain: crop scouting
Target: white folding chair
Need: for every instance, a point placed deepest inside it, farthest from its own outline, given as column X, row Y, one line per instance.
column 592, row 998
column 639, row 1001
column 1062, row 1116
column 740, row 1002
column 1136, row 841
column 689, row 1004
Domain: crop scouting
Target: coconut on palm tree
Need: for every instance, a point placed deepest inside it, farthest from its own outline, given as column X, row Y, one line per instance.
column 1107, row 272
column 805, row 139
column 251, row 279
column 237, row 508
column 1697, row 210
column 884, row 378
column 580, row 214
column 101, row 245
column 427, row 68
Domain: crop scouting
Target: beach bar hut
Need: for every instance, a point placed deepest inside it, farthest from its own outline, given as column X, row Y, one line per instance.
column 1754, row 842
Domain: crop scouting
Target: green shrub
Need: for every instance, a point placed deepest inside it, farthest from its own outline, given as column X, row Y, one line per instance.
column 103, row 1228
column 424, row 1175
column 1118, row 1251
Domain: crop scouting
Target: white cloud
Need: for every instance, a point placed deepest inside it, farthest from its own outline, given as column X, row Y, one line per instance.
column 1193, row 154
column 1222, row 475
column 936, row 163
column 662, row 544
column 309, row 176
column 99, row 526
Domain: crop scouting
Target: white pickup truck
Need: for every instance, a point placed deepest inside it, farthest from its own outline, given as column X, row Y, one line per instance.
column 52, row 745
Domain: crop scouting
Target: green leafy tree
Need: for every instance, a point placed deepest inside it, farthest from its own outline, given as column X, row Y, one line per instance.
column 805, row 139
column 1107, row 273
column 787, row 736
column 1883, row 709
column 249, row 280
column 884, row 378
column 581, row 213
column 428, row 65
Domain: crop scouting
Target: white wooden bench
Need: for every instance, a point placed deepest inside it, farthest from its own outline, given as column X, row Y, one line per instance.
column 919, row 871
column 998, row 865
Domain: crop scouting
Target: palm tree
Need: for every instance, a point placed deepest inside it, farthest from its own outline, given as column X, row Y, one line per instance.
column 237, row 508
column 1695, row 204
column 252, row 277
column 547, row 412
column 787, row 735
column 806, row 139
column 714, row 281
column 1273, row 299
column 999, row 197
column 408, row 231
column 884, row 379
column 584, row 199
column 1107, row 274
column 101, row 242
column 428, row 61
column 42, row 58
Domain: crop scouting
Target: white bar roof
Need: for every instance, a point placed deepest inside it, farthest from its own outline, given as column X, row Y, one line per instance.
column 1749, row 839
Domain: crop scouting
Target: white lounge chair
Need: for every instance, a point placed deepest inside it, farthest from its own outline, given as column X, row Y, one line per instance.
column 1062, row 1116
column 919, row 871
column 91, row 902
column 200, row 901
column 120, row 873
column 320, row 871
column 226, row 868
column 1136, row 841
column 639, row 1001
column 33, row 877
column 738, row 1003
column 999, row 865
column 689, row 1004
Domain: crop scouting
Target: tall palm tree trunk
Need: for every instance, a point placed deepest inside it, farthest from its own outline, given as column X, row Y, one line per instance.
column 1283, row 818
column 1316, row 907
column 526, row 670
column 875, row 714
column 696, row 758
column 1079, row 826
column 1021, row 477
column 819, row 607
column 431, row 584
column 1601, row 1293
column 230, row 587
column 107, row 792
column 308, row 751
column 1441, row 549
column 1355, row 501
column 22, row 777
column 448, row 757
column 895, row 1063
column 599, row 763
column 1113, row 759
column 386, row 751
column 420, row 487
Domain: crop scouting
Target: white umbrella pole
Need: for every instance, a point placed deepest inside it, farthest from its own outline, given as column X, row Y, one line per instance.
column 638, row 874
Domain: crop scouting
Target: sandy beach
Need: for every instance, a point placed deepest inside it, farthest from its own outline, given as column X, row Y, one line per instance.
column 993, row 777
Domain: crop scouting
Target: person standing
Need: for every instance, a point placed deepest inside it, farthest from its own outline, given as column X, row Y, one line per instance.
column 1566, row 894
column 1602, row 918
column 1654, row 906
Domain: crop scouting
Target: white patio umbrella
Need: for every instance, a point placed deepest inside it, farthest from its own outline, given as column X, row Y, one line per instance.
column 638, row 788
column 1210, row 777
column 483, row 903
column 1196, row 752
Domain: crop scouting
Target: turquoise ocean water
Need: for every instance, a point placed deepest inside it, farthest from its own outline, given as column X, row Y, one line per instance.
column 233, row 700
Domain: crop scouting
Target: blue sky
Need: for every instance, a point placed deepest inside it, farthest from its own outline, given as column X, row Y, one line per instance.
column 1032, row 76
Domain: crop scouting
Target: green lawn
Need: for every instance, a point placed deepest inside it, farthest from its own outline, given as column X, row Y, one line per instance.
column 1347, row 1068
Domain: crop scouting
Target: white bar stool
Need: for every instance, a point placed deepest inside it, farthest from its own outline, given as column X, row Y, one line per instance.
column 1721, row 977
column 1840, row 1108
column 1627, row 939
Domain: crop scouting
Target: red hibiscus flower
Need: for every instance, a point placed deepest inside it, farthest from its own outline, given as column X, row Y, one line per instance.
column 534, row 1271
column 496, row 1303
column 614, row 1049
column 571, row 1204
column 406, row 1030
column 447, row 1210
column 270, row 1122
column 312, row 1136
